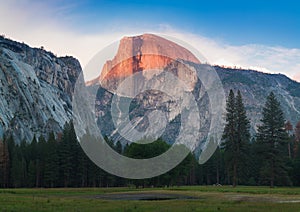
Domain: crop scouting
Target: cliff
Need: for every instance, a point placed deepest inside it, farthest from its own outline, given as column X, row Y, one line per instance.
column 35, row 90
column 143, row 53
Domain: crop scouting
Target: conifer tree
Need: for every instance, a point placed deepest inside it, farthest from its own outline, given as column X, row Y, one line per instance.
column 65, row 157
column 51, row 169
column 242, row 134
column 297, row 139
column 289, row 129
column 272, row 138
column 16, row 168
column 236, row 135
column 4, row 163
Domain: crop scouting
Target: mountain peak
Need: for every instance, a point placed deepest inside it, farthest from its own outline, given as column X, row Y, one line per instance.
column 142, row 53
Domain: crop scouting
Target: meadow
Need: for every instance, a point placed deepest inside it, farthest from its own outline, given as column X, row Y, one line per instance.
column 183, row 198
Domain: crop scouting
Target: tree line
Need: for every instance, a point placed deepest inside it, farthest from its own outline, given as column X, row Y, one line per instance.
column 60, row 161
column 271, row 157
column 264, row 159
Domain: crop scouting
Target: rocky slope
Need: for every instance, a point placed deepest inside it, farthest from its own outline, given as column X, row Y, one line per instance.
column 35, row 90
column 254, row 86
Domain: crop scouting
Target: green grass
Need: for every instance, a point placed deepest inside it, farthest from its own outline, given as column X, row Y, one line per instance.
column 223, row 198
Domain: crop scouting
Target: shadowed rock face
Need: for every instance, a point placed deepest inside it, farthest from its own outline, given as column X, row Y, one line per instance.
column 35, row 90
column 143, row 53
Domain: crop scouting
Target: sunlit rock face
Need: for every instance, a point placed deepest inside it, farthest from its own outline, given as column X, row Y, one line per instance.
column 35, row 90
column 152, row 59
column 148, row 54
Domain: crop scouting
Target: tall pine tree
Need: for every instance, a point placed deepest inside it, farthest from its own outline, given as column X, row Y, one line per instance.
column 4, row 164
column 272, row 139
column 297, row 139
column 289, row 129
column 236, row 136
column 51, row 169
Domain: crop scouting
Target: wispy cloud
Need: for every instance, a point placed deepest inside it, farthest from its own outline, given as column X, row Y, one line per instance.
column 47, row 25
column 270, row 59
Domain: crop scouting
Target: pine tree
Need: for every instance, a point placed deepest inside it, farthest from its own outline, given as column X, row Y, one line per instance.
column 289, row 129
column 11, row 148
column 236, row 135
column 253, row 163
column 272, row 137
column 65, row 157
column 24, row 152
column 213, row 168
column 4, row 163
column 83, row 168
column 32, row 173
column 51, row 169
column 229, row 131
column 295, row 173
column 75, row 148
column 242, row 135
column 42, row 152
column 69, row 148
column 297, row 139
column 33, row 163
column 16, row 168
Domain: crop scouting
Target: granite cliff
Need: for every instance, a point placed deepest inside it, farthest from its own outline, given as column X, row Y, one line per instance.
column 144, row 53
column 35, row 90
column 254, row 86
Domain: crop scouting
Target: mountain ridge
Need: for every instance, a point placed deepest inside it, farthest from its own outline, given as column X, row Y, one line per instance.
column 255, row 86
column 44, row 83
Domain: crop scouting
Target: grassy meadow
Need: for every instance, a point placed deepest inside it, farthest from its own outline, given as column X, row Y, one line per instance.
column 204, row 198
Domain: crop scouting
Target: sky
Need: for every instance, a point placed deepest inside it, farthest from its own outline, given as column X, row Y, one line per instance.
column 261, row 35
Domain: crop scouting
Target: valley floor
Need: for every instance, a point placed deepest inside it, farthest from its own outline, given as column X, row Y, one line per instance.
column 189, row 198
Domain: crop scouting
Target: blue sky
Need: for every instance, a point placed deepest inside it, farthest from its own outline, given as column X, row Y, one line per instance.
column 264, row 35
column 237, row 22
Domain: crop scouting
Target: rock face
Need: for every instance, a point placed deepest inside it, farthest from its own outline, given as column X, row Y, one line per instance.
column 256, row 86
column 35, row 89
column 149, row 101
column 140, row 54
